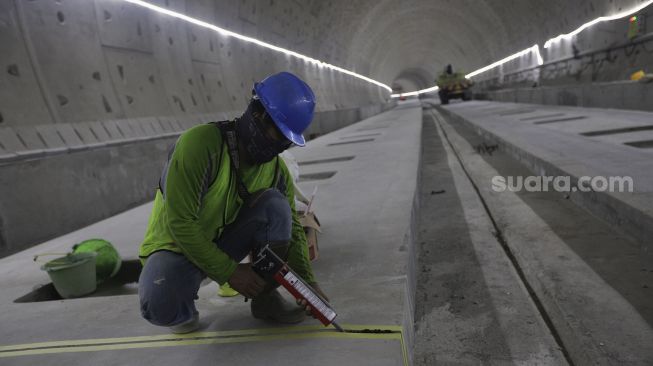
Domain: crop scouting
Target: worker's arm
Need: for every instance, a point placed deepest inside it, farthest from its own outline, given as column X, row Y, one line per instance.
column 190, row 170
column 298, row 252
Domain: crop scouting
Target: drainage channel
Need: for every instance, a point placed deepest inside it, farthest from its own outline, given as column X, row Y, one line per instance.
column 509, row 254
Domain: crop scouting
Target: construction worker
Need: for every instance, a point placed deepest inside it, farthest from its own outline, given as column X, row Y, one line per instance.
column 224, row 193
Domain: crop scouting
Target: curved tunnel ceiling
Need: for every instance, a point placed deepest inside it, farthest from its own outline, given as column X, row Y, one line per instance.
column 407, row 43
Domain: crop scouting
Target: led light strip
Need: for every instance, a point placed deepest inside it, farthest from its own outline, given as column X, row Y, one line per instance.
column 241, row 37
column 623, row 14
column 535, row 49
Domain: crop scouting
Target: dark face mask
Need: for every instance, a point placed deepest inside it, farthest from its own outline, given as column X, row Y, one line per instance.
column 260, row 147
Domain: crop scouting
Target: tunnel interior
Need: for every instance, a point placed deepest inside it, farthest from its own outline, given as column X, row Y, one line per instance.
column 93, row 77
column 431, row 258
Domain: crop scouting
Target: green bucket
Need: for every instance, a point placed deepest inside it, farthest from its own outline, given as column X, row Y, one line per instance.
column 73, row 275
column 107, row 262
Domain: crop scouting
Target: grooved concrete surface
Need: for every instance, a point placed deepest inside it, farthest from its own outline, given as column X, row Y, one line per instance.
column 472, row 307
column 549, row 140
column 595, row 322
column 365, row 266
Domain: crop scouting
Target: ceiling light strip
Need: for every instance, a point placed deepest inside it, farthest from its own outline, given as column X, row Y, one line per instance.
column 427, row 90
column 241, row 37
column 623, row 14
column 536, row 48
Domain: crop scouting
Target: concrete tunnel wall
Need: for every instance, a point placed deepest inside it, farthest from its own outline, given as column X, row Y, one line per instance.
column 94, row 93
column 82, row 75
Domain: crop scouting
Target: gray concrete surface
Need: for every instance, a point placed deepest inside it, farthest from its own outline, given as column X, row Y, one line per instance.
column 617, row 95
column 553, row 146
column 595, row 323
column 79, row 61
column 472, row 307
column 143, row 64
column 85, row 172
column 80, row 75
column 617, row 257
column 365, row 266
column 83, row 74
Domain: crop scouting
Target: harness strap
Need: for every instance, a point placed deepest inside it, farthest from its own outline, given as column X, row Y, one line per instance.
column 228, row 131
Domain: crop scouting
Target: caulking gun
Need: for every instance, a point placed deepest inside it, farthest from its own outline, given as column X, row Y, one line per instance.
column 267, row 264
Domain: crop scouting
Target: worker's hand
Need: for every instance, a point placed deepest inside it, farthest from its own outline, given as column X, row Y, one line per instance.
column 305, row 304
column 246, row 281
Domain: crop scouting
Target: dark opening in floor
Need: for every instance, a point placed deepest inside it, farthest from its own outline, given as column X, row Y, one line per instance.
column 542, row 116
column 324, row 161
column 647, row 144
column 559, row 120
column 618, row 131
column 350, row 142
column 358, row 136
column 123, row 283
column 316, row 176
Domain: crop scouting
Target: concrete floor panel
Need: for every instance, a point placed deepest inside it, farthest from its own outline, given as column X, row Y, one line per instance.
column 595, row 322
column 366, row 210
column 558, row 152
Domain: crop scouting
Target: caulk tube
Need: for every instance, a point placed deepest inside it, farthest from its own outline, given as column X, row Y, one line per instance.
column 267, row 264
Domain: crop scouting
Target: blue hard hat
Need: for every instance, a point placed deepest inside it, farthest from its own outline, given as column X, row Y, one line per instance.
column 289, row 101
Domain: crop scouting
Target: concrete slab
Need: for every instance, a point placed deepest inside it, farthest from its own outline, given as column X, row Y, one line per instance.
column 10, row 141
column 597, row 325
column 555, row 151
column 98, row 130
column 50, row 136
column 29, row 136
column 112, row 127
column 86, row 134
column 170, row 124
column 365, row 265
column 70, row 137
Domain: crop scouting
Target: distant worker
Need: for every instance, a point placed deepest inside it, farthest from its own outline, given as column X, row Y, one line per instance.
column 224, row 193
column 453, row 85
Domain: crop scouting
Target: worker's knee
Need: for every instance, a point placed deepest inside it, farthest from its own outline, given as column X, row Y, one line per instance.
column 265, row 219
column 271, row 200
column 159, row 312
column 167, row 288
column 165, row 306
column 276, row 209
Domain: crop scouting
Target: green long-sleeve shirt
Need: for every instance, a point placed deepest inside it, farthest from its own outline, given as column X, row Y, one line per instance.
column 198, row 197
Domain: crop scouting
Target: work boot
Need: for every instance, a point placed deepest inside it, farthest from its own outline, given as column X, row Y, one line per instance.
column 188, row 326
column 271, row 306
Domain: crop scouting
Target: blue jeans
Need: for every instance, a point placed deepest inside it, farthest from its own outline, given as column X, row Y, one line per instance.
column 169, row 282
